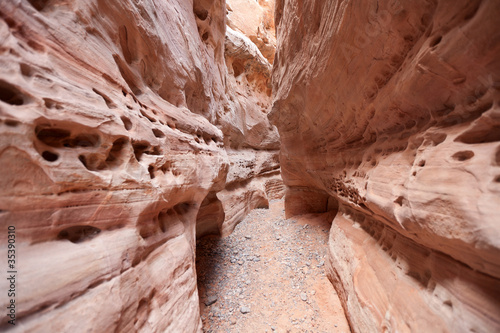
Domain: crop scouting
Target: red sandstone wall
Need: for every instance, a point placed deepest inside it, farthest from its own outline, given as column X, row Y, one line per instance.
column 391, row 109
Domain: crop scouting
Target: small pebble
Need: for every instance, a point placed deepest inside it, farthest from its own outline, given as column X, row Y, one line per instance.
column 245, row 309
column 294, row 259
column 211, row 300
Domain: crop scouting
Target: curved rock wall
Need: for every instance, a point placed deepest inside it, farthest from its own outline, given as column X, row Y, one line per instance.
column 255, row 19
column 252, row 143
column 390, row 110
column 115, row 118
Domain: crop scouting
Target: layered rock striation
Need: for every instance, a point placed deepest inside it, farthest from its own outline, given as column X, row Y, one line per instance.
column 388, row 112
column 124, row 134
column 251, row 142
column 255, row 19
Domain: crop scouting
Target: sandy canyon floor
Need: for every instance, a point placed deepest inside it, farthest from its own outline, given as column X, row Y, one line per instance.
column 269, row 276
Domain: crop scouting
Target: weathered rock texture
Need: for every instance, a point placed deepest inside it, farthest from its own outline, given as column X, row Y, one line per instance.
column 388, row 111
column 115, row 118
column 252, row 143
column 255, row 19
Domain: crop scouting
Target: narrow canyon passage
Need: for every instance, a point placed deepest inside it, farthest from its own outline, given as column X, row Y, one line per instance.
column 137, row 139
column 269, row 275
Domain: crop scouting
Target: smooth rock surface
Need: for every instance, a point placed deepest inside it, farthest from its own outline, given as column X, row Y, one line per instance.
column 389, row 110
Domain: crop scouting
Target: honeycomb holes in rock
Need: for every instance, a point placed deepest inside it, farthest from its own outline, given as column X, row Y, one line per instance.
column 126, row 123
column 463, row 155
column 79, row 233
column 164, row 220
column 399, row 201
column 61, row 138
column 83, row 140
column 238, row 68
column 50, row 156
column 99, row 162
column 200, row 13
column 116, row 152
column 109, row 103
column 158, row 133
column 58, row 137
column 52, row 136
column 480, row 136
column 10, row 94
column 92, row 162
column 147, row 116
column 26, row 70
column 38, row 4
column 151, row 170
column 144, row 309
column 11, row 122
column 139, row 149
column 52, row 104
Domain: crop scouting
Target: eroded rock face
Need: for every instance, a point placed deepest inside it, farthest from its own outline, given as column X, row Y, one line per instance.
column 115, row 118
column 255, row 19
column 390, row 108
column 251, row 142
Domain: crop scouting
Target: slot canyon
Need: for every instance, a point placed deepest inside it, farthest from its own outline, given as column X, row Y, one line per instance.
column 250, row 166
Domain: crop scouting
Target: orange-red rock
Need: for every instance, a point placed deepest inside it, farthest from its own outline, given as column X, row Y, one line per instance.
column 255, row 19
column 391, row 109
column 251, row 142
column 115, row 118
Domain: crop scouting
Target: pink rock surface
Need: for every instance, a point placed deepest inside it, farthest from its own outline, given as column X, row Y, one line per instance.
column 113, row 139
column 255, row 19
column 391, row 109
column 251, row 142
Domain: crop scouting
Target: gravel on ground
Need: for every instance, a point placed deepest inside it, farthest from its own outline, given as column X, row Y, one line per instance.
column 269, row 276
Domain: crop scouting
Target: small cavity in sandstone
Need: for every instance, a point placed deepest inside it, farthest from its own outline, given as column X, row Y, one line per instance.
column 50, row 156
column 10, row 94
column 79, row 233
column 463, row 155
